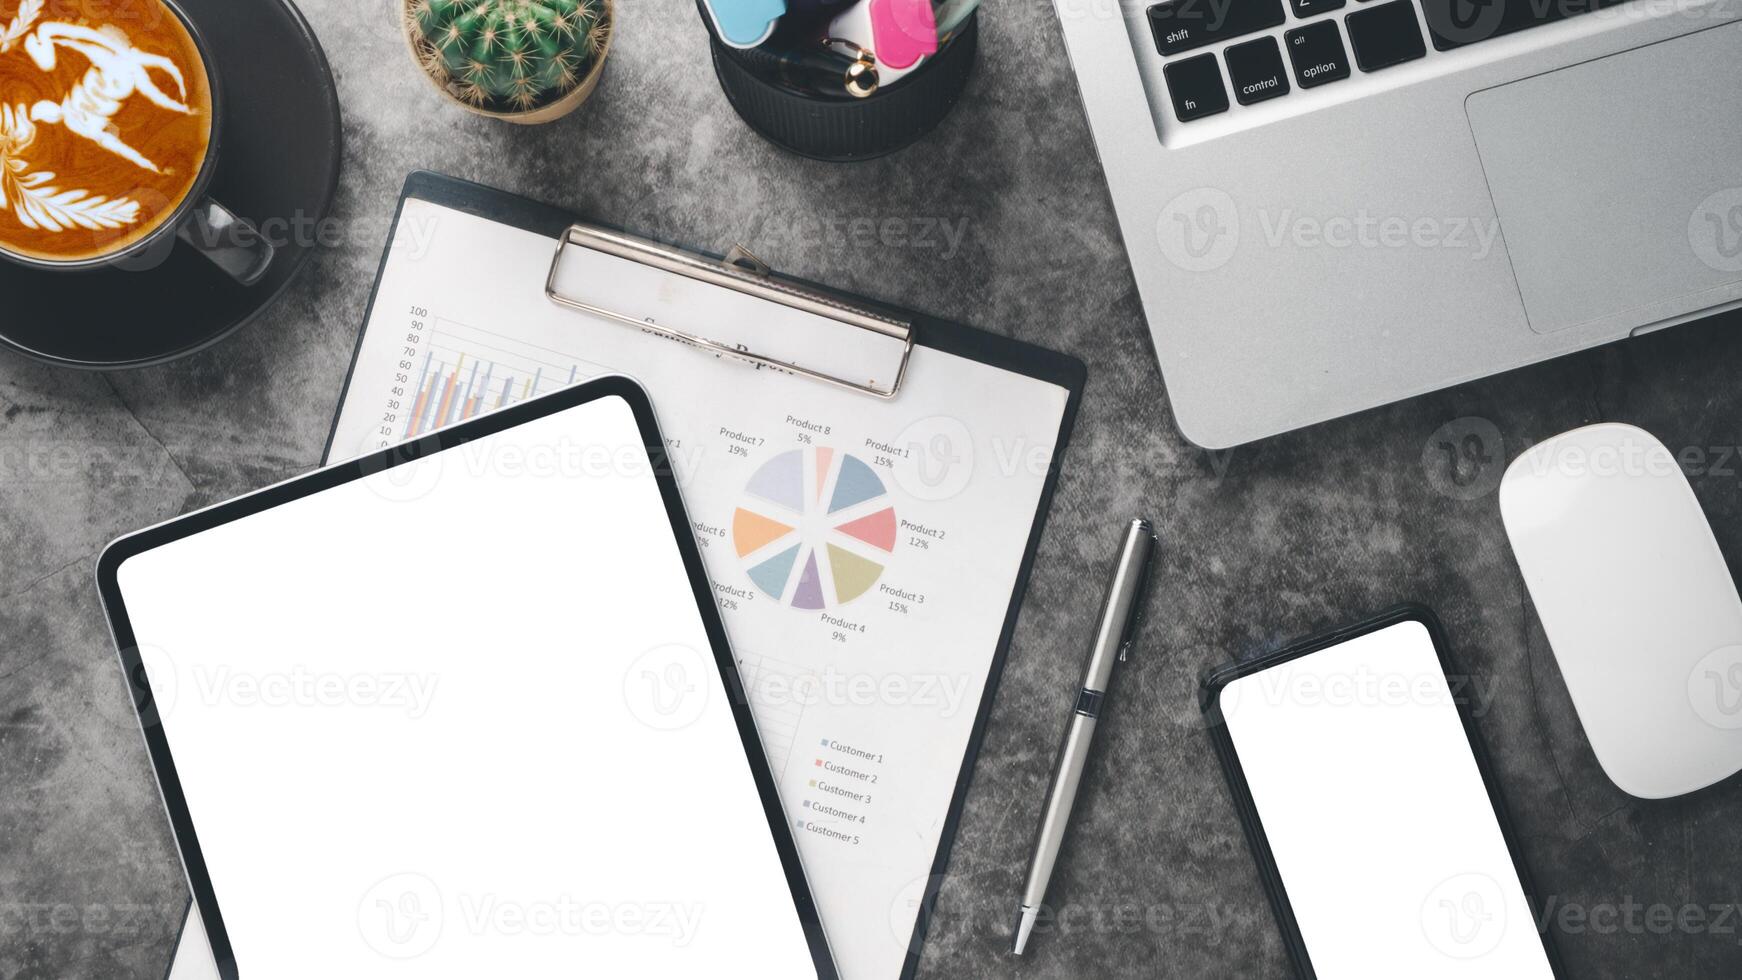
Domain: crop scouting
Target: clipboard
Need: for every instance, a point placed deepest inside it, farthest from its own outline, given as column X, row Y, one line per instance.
column 804, row 318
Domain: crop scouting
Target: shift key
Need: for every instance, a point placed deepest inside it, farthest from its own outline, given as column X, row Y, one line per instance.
column 1181, row 25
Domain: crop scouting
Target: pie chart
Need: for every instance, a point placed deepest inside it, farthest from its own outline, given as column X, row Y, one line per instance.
column 814, row 528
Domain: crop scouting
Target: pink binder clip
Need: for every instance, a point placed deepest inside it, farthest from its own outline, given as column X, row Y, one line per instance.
column 903, row 31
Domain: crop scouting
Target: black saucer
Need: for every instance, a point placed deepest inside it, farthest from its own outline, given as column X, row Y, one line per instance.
column 279, row 159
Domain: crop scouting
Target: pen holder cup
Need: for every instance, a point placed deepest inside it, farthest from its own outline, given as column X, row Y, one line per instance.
column 843, row 129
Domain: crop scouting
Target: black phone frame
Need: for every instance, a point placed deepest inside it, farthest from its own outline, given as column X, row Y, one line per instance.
column 1210, row 692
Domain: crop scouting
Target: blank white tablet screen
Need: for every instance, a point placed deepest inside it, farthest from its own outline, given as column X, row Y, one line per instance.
column 460, row 718
column 1377, row 815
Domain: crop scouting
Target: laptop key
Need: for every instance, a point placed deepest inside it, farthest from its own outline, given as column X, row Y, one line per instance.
column 1195, row 85
column 1255, row 69
column 1307, row 8
column 1180, row 25
column 1385, row 35
column 1316, row 51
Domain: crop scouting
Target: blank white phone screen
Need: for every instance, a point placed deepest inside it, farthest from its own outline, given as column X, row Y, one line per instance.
column 460, row 718
column 1377, row 815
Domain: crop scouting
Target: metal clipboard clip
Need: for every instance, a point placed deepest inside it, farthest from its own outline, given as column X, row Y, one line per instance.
column 736, row 308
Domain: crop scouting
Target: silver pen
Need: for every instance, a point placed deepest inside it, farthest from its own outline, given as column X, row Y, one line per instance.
column 1112, row 643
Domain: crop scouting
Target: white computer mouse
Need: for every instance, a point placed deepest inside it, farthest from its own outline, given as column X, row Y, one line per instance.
column 1637, row 602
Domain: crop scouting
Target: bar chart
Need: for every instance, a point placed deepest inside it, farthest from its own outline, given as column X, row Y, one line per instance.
column 466, row 371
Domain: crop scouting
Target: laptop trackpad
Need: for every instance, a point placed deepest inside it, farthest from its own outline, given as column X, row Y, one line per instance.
column 1618, row 182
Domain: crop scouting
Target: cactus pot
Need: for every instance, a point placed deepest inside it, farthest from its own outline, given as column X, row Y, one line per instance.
column 547, row 112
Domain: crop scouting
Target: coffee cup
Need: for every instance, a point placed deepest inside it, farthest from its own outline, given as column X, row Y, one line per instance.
column 111, row 117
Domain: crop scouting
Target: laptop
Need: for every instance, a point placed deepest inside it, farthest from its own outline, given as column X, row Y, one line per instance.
column 1331, row 205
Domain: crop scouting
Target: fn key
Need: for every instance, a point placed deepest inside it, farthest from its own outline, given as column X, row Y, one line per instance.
column 1195, row 85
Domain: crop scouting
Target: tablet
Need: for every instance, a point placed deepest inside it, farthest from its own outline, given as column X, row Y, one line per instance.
column 1367, row 800
column 462, row 708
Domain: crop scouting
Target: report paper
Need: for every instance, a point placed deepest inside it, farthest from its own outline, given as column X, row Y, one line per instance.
column 863, row 551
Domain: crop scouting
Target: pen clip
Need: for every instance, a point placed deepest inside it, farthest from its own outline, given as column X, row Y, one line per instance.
column 1139, row 598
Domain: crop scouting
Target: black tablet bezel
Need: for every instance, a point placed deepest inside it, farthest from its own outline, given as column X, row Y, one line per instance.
column 1259, row 842
column 162, row 760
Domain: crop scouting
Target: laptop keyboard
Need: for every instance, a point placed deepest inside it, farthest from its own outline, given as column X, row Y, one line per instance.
column 1373, row 36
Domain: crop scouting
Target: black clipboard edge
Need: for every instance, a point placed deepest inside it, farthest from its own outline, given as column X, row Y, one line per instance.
column 1015, row 356
column 1258, row 842
column 1073, row 376
column 169, row 783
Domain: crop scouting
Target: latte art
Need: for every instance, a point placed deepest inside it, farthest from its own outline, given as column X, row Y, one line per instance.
column 105, row 123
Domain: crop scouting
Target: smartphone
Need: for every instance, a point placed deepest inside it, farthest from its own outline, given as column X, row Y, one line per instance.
column 1367, row 799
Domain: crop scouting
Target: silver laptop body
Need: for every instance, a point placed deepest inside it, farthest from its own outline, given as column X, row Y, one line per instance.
column 1341, row 236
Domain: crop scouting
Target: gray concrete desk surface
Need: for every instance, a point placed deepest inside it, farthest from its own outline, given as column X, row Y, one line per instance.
column 1000, row 219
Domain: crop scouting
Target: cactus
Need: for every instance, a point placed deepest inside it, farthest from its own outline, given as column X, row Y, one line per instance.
column 509, row 53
